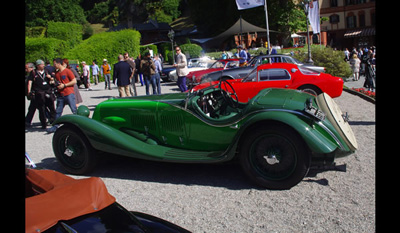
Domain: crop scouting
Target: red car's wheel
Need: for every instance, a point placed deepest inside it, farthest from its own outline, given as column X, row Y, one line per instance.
column 310, row 89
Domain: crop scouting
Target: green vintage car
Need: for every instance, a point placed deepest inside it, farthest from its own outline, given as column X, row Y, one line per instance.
column 276, row 136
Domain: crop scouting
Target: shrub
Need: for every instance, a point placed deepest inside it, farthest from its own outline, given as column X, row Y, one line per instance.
column 193, row 50
column 332, row 60
column 165, row 49
column 69, row 32
column 106, row 45
column 146, row 48
column 35, row 31
column 43, row 48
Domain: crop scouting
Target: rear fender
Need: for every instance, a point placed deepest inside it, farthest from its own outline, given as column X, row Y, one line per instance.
column 315, row 140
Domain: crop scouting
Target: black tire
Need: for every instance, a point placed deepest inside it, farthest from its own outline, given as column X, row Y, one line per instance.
column 310, row 89
column 73, row 150
column 274, row 157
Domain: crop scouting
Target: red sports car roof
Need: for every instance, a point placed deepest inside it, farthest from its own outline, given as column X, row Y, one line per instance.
column 61, row 198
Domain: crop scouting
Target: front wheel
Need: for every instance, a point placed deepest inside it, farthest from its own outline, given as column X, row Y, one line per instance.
column 73, row 150
column 274, row 157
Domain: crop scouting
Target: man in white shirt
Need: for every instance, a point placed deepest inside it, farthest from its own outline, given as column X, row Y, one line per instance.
column 181, row 69
column 86, row 75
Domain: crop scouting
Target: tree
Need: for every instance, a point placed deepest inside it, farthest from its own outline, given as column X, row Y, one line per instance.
column 39, row 12
column 141, row 10
column 214, row 17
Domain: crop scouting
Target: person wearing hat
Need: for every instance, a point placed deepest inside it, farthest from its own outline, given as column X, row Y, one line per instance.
column 40, row 91
column 106, row 71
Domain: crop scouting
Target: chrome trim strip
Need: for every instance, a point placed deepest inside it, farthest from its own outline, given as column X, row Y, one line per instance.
column 332, row 135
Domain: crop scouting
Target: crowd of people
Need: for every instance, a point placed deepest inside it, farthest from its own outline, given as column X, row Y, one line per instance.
column 50, row 87
column 362, row 62
column 46, row 83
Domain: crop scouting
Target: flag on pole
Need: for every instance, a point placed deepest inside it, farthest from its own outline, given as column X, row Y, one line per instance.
column 313, row 17
column 246, row 4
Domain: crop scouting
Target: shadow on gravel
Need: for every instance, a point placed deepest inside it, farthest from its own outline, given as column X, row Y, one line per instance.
column 228, row 175
column 362, row 122
column 102, row 97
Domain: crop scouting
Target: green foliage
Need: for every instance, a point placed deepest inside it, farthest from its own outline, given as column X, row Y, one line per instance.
column 107, row 45
column 69, row 32
column 193, row 50
column 144, row 49
column 165, row 48
column 165, row 11
column 97, row 13
column 332, row 60
column 43, row 48
column 39, row 12
column 35, row 31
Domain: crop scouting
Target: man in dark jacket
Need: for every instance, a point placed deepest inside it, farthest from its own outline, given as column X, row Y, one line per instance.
column 148, row 69
column 123, row 74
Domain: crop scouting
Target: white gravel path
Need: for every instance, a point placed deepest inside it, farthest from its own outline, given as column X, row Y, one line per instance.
column 218, row 198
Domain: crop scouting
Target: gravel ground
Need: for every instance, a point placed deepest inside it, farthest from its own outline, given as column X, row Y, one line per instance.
column 218, row 198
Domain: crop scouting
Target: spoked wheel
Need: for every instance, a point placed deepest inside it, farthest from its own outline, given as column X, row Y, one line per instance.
column 274, row 157
column 73, row 150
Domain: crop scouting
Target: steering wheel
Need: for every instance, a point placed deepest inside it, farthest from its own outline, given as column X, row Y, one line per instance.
column 228, row 95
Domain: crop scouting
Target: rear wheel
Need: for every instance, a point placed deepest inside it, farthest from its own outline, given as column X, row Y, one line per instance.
column 274, row 157
column 310, row 89
column 73, row 150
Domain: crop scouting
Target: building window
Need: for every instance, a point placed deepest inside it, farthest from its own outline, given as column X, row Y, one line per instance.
column 361, row 18
column 334, row 3
column 334, row 19
column 351, row 21
column 373, row 18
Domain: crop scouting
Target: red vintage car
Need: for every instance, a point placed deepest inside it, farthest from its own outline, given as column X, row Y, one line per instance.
column 194, row 77
column 282, row 75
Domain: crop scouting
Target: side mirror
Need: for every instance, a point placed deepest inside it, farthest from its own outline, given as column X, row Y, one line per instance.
column 293, row 70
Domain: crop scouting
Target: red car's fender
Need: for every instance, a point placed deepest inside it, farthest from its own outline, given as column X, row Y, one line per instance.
column 327, row 83
column 199, row 73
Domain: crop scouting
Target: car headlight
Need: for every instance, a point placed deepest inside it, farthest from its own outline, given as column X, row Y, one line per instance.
column 83, row 111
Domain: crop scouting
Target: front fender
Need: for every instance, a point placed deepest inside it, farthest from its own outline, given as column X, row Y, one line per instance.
column 105, row 138
column 108, row 139
column 315, row 139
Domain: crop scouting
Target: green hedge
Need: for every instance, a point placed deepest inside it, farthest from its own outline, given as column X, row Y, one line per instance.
column 106, row 45
column 144, row 49
column 35, row 31
column 193, row 50
column 43, row 48
column 69, row 32
column 332, row 60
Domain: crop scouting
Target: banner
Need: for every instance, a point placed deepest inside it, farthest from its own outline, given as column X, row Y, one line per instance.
column 313, row 17
column 246, row 4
